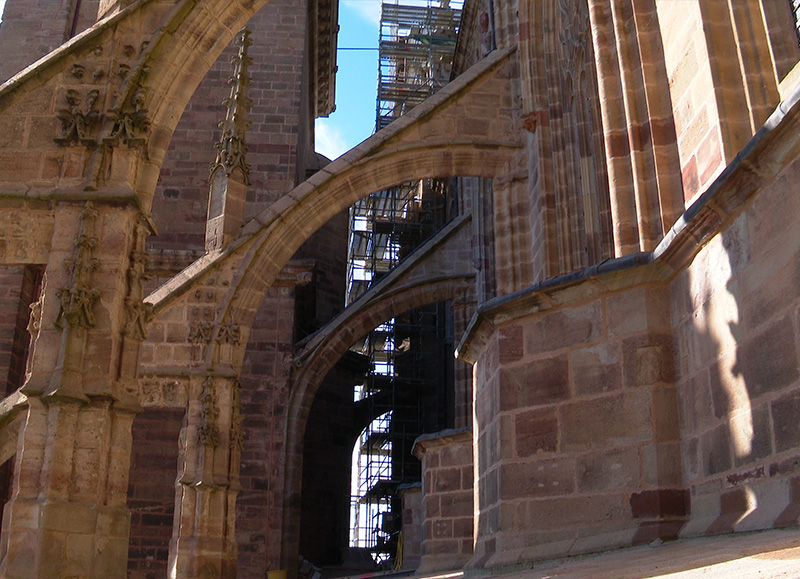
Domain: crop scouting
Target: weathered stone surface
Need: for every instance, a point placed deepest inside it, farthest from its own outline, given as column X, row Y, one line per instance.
column 611, row 470
column 537, row 478
column 786, row 421
column 597, row 423
column 716, row 450
column 597, row 370
column 535, row 431
column 535, row 383
column 768, row 361
column 558, row 330
column 649, row 359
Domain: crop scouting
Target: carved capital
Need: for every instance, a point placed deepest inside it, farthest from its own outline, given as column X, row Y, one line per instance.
column 76, row 307
column 229, row 334
column 130, row 123
column 200, row 332
column 79, row 117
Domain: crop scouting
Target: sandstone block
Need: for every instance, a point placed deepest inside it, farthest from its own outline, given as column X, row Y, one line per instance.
column 446, row 479
column 716, row 450
column 596, row 370
column 649, row 359
column 457, row 504
column 753, row 429
column 660, row 503
column 79, row 554
column 441, row 529
column 569, row 512
column 535, row 431
column 665, row 413
column 768, row 361
column 786, row 421
column 537, row 478
column 608, row 470
column 596, row 423
column 510, row 343
column 636, row 311
column 662, row 464
column 534, row 383
column 560, row 329
column 68, row 517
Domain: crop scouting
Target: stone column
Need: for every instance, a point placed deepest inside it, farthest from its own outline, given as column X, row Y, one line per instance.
column 204, row 540
column 67, row 516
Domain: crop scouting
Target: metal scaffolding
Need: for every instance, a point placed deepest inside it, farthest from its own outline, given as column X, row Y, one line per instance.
column 417, row 43
column 409, row 388
column 796, row 12
column 406, row 390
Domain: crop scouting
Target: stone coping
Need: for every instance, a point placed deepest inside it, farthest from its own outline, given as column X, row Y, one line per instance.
column 760, row 161
column 441, row 438
column 415, row 486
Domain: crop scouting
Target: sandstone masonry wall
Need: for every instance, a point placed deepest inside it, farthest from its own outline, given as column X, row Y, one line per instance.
column 447, row 499
column 735, row 314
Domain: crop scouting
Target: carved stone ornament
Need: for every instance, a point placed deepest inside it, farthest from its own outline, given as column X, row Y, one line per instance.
column 78, row 71
column 77, row 300
column 130, row 123
column 237, row 434
column 76, row 306
column 232, row 148
column 138, row 312
column 573, row 35
column 200, row 331
column 169, row 392
column 35, row 319
column 231, row 154
column 78, row 118
column 209, row 431
column 229, row 334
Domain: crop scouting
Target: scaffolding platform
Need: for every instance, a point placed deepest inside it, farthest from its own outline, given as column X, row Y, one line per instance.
column 404, row 393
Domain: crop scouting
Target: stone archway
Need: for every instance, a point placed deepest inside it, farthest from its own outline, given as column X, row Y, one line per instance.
column 412, row 285
column 427, row 142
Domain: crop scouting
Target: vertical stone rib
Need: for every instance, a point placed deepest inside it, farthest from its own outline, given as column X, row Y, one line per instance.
column 729, row 91
column 664, row 140
column 620, row 176
column 753, row 48
column 641, row 145
column 638, row 126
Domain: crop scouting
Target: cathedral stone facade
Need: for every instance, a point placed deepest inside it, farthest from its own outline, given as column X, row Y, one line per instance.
column 622, row 276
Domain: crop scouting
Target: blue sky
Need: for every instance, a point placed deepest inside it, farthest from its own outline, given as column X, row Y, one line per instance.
column 356, row 81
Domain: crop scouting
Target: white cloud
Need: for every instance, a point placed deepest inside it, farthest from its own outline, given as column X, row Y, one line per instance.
column 369, row 10
column 329, row 139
